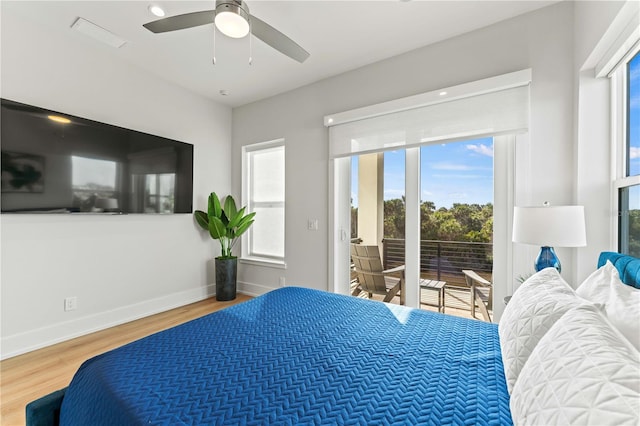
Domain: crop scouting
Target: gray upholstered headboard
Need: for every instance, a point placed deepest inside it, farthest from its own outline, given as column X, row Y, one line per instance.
column 627, row 266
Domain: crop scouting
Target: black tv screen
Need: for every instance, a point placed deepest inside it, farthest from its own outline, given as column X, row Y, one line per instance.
column 58, row 163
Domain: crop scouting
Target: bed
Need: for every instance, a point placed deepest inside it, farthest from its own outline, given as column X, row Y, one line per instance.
column 300, row 356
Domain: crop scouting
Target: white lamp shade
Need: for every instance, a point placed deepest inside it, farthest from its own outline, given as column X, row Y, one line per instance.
column 553, row 226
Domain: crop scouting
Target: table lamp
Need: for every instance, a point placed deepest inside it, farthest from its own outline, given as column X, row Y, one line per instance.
column 548, row 227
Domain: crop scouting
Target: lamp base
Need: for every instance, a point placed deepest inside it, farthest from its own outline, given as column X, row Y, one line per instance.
column 547, row 259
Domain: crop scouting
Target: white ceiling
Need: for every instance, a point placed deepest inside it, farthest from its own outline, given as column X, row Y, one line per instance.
column 339, row 35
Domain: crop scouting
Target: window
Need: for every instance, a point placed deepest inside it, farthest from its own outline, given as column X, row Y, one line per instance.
column 633, row 116
column 159, row 193
column 420, row 120
column 263, row 193
column 456, row 185
column 626, row 104
column 92, row 179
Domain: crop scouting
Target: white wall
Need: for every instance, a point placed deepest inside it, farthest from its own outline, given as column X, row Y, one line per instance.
column 593, row 136
column 541, row 40
column 119, row 267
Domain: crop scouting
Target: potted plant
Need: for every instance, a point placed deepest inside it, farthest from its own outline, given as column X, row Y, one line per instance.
column 225, row 225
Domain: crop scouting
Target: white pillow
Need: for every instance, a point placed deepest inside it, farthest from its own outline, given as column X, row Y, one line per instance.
column 595, row 288
column 582, row 372
column 623, row 308
column 535, row 306
column 620, row 302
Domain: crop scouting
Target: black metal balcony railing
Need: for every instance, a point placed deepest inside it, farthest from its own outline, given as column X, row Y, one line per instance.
column 443, row 260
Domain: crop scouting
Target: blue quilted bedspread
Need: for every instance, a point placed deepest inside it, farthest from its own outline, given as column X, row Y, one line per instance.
column 297, row 356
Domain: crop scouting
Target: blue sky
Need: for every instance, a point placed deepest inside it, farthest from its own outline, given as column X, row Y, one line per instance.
column 634, row 115
column 634, row 127
column 456, row 172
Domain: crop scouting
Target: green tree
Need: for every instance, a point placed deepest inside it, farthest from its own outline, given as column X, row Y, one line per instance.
column 448, row 227
column 428, row 227
column 394, row 213
column 462, row 222
column 354, row 222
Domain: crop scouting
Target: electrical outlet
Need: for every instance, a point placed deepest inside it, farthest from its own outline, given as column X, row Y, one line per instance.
column 70, row 303
column 312, row 224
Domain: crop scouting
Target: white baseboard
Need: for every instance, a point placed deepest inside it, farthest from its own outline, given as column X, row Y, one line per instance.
column 252, row 289
column 20, row 343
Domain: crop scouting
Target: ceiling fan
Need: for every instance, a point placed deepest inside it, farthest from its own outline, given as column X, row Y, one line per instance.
column 232, row 18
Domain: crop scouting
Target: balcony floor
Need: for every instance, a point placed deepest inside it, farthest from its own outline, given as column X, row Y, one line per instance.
column 457, row 302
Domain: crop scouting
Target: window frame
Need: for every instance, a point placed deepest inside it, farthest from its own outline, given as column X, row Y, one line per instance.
column 156, row 195
column 247, row 254
column 620, row 144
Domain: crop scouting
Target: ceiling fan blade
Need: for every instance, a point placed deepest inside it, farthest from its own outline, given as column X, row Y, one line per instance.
column 180, row 22
column 277, row 40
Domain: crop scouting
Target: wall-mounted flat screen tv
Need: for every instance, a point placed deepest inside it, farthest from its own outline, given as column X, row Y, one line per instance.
column 58, row 163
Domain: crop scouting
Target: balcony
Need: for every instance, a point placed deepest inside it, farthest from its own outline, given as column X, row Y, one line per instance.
column 446, row 250
column 444, row 261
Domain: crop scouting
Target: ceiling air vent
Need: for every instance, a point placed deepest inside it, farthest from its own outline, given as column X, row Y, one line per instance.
column 98, row 33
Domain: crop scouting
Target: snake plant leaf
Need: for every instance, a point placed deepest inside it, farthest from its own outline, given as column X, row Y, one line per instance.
column 230, row 208
column 217, row 229
column 215, row 209
column 202, row 219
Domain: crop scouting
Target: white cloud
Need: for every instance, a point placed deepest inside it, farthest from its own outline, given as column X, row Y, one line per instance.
column 634, row 152
column 449, row 166
column 481, row 149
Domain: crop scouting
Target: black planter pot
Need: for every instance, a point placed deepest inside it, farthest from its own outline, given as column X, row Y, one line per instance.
column 226, row 271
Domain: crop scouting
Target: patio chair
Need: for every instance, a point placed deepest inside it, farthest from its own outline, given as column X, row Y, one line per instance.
column 371, row 278
column 483, row 300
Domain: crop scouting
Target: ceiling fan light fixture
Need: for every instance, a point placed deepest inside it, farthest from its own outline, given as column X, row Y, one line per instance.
column 232, row 18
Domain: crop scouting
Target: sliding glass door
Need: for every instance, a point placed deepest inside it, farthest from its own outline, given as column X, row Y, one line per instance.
column 455, row 211
column 496, row 107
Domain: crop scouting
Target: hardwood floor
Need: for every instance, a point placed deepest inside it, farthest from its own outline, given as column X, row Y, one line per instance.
column 32, row 375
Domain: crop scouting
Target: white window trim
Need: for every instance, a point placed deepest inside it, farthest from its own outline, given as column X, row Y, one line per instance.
column 620, row 37
column 619, row 141
column 245, row 257
column 261, row 261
